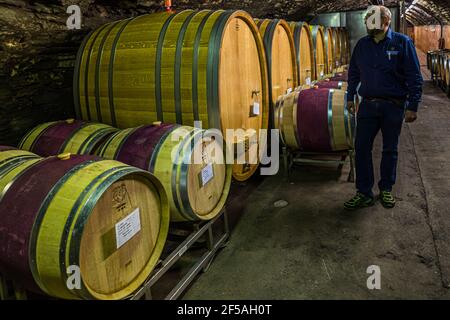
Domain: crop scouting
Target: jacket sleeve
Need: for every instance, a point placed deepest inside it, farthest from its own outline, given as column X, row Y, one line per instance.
column 353, row 75
column 414, row 79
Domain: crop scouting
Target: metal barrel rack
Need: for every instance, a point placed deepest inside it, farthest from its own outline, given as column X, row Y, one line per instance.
column 292, row 157
column 213, row 244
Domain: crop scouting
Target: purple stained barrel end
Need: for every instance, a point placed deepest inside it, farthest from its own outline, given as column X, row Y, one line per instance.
column 312, row 120
column 17, row 217
column 139, row 146
column 54, row 137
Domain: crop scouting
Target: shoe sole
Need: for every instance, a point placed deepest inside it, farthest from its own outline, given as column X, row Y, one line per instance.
column 360, row 207
column 387, row 206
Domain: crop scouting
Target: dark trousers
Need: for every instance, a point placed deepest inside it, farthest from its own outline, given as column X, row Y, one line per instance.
column 372, row 117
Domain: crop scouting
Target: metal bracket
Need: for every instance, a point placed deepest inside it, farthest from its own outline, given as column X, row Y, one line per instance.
column 290, row 158
column 202, row 264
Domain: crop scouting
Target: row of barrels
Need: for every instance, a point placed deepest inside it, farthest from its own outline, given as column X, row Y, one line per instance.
column 217, row 67
column 438, row 62
column 101, row 199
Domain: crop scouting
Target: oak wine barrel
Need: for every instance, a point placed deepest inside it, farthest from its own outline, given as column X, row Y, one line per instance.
column 443, row 67
column 73, row 136
column 320, row 63
column 315, row 120
column 190, row 66
column 337, row 47
column 197, row 188
column 329, row 50
column 304, row 50
column 106, row 219
column 281, row 59
column 345, row 46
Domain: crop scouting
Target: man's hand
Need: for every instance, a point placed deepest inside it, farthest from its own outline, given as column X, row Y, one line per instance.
column 351, row 107
column 410, row 116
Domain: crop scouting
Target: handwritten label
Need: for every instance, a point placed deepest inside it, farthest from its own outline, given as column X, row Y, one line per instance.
column 127, row 228
column 207, row 174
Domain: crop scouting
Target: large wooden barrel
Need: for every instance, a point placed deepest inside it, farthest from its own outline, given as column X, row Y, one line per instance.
column 320, row 62
column 443, row 67
column 281, row 58
column 337, row 47
column 191, row 66
column 80, row 215
column 330, row 51
column 344, row 46
column 74, row 136
column 304, row 50
column 197, row 184
column 315, row 120
column 447, row 72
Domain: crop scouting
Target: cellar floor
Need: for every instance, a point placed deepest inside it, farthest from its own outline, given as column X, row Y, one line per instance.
column 313, row 249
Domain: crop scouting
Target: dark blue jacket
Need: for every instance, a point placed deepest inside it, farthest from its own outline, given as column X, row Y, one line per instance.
column 388, row 69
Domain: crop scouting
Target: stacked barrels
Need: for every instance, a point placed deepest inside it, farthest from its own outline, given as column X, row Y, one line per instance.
column 106, row 219
column 197, row 180
column 438, row 63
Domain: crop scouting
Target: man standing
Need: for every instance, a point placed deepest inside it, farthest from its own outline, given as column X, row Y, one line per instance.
column 386, row 64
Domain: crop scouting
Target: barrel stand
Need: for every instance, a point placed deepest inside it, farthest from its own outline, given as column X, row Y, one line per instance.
column 213, row 244
column 291, row 157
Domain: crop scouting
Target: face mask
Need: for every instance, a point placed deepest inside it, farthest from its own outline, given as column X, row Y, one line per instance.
column 374, row 32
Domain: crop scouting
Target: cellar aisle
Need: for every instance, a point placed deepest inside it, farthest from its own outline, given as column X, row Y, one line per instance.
column 313, row 249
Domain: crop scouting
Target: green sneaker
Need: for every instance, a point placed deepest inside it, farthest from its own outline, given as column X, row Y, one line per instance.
column 387, row 199
column 359, row 201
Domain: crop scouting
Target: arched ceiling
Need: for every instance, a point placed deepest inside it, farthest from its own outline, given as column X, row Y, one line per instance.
column 421, row 12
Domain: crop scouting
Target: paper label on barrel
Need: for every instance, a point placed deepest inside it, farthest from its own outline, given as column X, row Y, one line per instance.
column 207, row 174
column 308, row 81
column 127, row 228
column 289, row 91
column 255, row 110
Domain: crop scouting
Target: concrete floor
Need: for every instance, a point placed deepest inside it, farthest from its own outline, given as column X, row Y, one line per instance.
column 313, row 249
